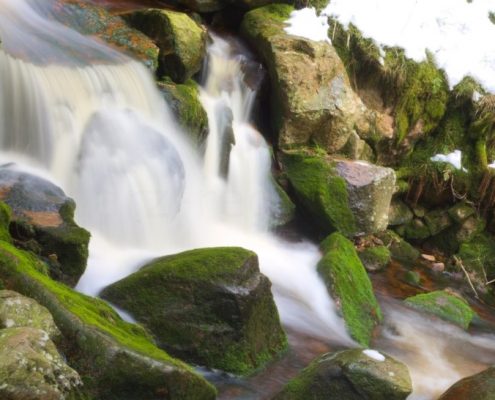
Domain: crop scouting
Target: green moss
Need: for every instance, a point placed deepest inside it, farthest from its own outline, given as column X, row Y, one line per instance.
column 348, row 282
column 264, row 22
column 5, row 216
column 94, row 326
column 209, row 306
column 184, row 101
column 478, row 255
column 400, row 249
column 445, row 306
column 321, row 192
column 375, row 258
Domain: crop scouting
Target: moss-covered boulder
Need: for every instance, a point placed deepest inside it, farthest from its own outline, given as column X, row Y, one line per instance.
column 399, row 213
column 183, row 99
column 181, row 40
column 90, row 19
column 445, row 306
column 116, row 360
column 476, row 387
column 20, row 311
column 400, row 249
column 375, row 258
column 31, row 367
column 350, row 286
column 311, row 97
column 43, row 221
column 478, row 257
column 208, row 306
column 350, row 375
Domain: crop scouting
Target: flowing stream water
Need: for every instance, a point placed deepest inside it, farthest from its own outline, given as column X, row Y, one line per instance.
column 92, row 120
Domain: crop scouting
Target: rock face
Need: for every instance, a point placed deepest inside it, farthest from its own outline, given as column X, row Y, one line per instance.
column 90, row 19
column 350, row 375
column 43, row 221
column 209, row 306
column 477, row 387
column 31, row 367
column 119, row 358
column 182, row 42
column 370, row 189
column 20, row 311
column 445, row 306
column 350, row 286
column 312, row 100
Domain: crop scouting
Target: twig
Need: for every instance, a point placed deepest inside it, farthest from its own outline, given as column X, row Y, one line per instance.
column 459, row 263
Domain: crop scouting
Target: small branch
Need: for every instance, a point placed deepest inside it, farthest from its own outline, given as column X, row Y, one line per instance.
column 459, row 263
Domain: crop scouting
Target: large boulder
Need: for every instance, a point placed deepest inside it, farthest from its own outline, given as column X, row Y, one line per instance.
column 31, row 367
column 181, row 40
column 350, row 286
column 90, row 19
column 444, row 305
column 20, row 311
column 350, row 375
column 352, row 197
column 209, row 306
column 43, row 221
column 476, row 387
column 312, row 99
column 116, row 360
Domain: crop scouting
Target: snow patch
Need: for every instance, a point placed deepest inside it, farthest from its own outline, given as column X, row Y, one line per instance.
column 454, row 31
column 307, row 24
column 454, row 159
column 375, row 355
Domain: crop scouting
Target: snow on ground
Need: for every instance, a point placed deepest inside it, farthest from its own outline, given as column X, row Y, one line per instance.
column 307, row 24
column 459, row 33
column 454, row 159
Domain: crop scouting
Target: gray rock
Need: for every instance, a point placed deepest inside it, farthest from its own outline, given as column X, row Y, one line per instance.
column 399, row 213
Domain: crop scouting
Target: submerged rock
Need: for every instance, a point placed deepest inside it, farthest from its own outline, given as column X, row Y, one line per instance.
column 350, row 375
column 445, row 306
column 350, row 286
column 208, row 306
column 312, row 100
column 43, row 221
column 20, row 311
column 31, row 367
column 182, row 42
column 119, row 359
column 476, row 387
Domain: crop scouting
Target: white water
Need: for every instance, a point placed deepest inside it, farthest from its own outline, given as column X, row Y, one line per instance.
column 103, row 133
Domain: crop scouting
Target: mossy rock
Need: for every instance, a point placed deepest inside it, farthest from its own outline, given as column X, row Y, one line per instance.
column 349, row 284
column 208, row 306
column 32, row 368
column 399, row 213
column 183, row 99
column 117, row 360
column 311, row 99
column 476, row 387
column 478, row 257
column 350, row 375
column 461, row 211
column 400, row 249
column 417, row 230
column 320, row 191
column 91, row 19
column 438, row 221
column 375, row 258
column 43, row 221
column 182, row 42
column 445, row 306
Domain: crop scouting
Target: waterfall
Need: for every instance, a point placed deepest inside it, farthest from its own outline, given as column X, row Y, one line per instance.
column 93, row 121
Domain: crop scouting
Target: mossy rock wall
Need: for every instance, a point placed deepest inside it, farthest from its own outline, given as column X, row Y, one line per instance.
column 210, row 306
column 350, row 286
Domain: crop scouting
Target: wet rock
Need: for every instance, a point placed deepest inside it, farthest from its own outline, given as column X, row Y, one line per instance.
column 437, row 221
column 90, row 19
column 208, row 306
column 413, row 278
column 417, row 230
column 351, row 375
column 116, row 360
column 350, row 286
column 399, row 248
column 445, row 306
column 183, row 99
column 182, row 41
column 399, row 213
column 438, row 267
column 311, row 97
column 370, row 189
column 460, row 212
column 31, row 367
column 43, row 221
column 476, row 387
column 283, row 210
column 375, row 258
column 20, row 311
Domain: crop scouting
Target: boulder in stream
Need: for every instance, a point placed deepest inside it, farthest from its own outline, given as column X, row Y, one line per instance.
column 350, row 375
column 476, row 387
column 210, row 306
